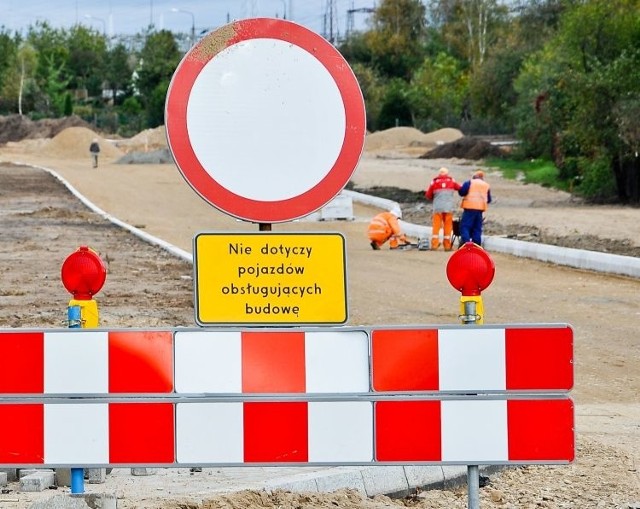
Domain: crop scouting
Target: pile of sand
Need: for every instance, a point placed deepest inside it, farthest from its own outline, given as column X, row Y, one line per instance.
column 145, row 141
column 74, row 143
column 409, row 137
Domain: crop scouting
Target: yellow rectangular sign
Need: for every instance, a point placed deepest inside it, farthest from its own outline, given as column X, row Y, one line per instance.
column 269, row 278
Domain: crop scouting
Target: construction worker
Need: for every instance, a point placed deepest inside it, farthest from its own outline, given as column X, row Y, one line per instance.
column 385, row 226
column 476, row 195
column 442, row 191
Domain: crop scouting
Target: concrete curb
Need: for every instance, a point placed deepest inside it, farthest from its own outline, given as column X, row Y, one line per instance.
column 577, row 258
column 370, row 481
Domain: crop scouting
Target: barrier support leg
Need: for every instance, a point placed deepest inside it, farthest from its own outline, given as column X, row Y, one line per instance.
column 77, row 480
column 473, row 486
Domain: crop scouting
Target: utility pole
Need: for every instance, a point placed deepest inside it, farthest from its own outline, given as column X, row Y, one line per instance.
column 350, row 17
column 331, row 21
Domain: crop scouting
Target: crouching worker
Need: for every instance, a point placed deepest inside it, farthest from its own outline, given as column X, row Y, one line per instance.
column 385, row 226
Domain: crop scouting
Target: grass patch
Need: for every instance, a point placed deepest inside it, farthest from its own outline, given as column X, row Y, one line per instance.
column 530, row 171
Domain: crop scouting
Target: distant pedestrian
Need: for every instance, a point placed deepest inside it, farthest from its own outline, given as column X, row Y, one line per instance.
column 94, row 150
column 476, row 195
column 385, row 226
column 442, row 190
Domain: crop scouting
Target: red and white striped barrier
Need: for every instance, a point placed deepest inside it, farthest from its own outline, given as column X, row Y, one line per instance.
column 287, row 432
column 235, row 397
column 480, row 359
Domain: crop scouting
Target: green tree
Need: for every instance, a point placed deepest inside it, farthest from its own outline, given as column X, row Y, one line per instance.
column 469, row 28
column 158, row 61
column 438, row 92
column 373, row 89
column 55, row 89
column 19, row 88
column 87, row 59
column 8, row 56
column 577, row 97
column 492, row 93
column 51, row 47
column 119, row 72
column 397, row 40
column 395, row 109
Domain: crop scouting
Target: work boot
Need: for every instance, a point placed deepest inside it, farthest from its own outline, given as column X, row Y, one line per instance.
column 375, row 246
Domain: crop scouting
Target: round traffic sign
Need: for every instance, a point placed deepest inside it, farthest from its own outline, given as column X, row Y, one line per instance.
column 83, row 273
column 470, row 269
column 265, row 120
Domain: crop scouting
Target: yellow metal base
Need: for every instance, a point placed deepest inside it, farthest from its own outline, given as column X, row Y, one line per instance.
column 88, row 312
column 474, row 303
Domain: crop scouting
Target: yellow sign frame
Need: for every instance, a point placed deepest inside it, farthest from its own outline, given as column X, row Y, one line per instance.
column 270, row 278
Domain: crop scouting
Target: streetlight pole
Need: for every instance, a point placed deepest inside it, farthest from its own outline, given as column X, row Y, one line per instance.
column 193, row 23
column 104, row 23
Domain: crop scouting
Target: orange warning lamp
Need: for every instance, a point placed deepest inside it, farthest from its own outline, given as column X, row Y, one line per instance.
column 83, row 273
column 470, row 269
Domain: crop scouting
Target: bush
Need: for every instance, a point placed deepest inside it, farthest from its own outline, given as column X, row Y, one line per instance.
column 597, row 183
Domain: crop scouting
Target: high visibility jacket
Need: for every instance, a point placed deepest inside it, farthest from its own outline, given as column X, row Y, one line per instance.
column 383, row 226
column 442, row 191
column 476, row 195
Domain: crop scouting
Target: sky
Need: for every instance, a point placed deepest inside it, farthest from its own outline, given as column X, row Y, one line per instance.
column 128, row 17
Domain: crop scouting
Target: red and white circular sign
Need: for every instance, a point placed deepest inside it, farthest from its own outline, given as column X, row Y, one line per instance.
column 265, row 120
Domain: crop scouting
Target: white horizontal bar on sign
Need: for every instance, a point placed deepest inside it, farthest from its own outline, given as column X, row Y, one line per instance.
column 475, row 431
column 76, row 362
column 472, row 359
column 76, row 434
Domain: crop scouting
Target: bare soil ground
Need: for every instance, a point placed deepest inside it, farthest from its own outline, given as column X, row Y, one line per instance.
column 41, row 223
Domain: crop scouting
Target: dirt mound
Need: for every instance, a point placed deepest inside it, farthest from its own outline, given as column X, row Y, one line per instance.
column 145, row 141
column 403, row 137
column 464, row 148
column 18, row 127
column 74, row 142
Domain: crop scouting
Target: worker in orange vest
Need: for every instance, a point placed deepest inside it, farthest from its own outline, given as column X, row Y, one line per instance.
column 476, row 195
column 385, row 226
column 442, row 191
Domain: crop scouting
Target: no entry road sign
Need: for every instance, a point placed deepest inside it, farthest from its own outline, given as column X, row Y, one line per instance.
column 265, row 120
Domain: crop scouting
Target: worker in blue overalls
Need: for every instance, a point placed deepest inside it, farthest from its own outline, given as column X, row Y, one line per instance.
column 476, row 195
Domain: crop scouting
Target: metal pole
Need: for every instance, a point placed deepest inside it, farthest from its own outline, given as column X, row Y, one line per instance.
column 473, row 472
column 473, row 486
column 74, row 319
